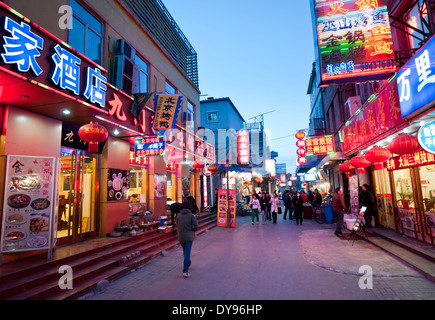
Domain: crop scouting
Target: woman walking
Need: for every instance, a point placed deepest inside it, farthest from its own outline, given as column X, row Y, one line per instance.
column 255, row 207
column 263, row 203
column 298, row 204
column 274, row 207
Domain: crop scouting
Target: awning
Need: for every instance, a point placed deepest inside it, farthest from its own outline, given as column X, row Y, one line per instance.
column 307, row 166
column 330, row 160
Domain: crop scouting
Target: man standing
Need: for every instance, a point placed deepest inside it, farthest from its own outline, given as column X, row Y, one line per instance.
column 339, row 210
column 186, row 226
column 287, row 204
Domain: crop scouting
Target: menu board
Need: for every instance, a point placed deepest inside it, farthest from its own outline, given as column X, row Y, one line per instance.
column 28, row 204
column 222, row 207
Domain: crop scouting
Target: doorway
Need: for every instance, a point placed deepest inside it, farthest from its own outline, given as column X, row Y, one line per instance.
column 77, row 209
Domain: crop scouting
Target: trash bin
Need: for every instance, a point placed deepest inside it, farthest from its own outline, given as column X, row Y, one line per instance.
column 308, row 211
column 329, row 213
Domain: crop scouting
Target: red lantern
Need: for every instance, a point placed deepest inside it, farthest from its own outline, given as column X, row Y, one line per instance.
column 213, row 168
column 378, row 156
column 198, row 165
column 93, row 133
column 360, row 162
column 347, row 168
column 259, row 180
column 404, row 144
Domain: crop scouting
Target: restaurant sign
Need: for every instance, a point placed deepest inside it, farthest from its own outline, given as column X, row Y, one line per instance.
column 416, row 80
column 380, row 114
column 426, row 137
column 150, row 146
column 418, row 158
column 354, row 40
column 320, row 145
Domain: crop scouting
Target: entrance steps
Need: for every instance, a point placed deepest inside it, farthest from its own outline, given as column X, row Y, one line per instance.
column 92, row 261
column 417, row 255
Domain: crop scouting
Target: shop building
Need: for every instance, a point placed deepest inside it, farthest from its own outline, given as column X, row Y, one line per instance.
column 88, row 64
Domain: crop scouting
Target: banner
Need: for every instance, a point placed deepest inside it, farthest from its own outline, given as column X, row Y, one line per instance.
column 222, row 207
column 166, row 110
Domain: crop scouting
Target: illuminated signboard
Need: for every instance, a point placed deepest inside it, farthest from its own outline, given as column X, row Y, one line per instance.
column 416, row 80
column 243, row 146
column 426, row 137
column 144, row 147
column 320, row 145
column 419, row 158
column 354, row 40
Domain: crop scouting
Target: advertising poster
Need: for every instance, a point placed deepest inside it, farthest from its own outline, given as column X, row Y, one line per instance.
column 222, row 207
column 29, row 203
column 160, row 184
column 117, row 184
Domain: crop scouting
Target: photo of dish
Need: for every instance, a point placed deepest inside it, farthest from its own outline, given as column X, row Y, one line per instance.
column 16, row 218
column 38, row 224
column 28, row 182
column 117, row 184
column 16, row 235
column 37, row 242
column 19, row 201
column 40, row 204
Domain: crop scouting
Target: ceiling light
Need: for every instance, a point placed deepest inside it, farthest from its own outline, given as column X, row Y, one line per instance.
column 116, row 132
column 66, row 112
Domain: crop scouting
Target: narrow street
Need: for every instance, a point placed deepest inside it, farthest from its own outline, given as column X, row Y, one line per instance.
column 273, row 262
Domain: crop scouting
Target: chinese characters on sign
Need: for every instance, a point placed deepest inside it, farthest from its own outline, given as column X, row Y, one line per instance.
column 354, row 40
column 28, row 209
column 23, row 47
column 166, row 108
column 301, row 144
column 243, row 146
column 416, row 80
column 419, row 158
column 320, row 145
column 377, row 117
column 222, row 207
column 426, row 137
column 144, row 147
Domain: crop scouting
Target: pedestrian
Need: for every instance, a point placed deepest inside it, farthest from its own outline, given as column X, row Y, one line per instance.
column 298, row 205
column 186, row 227
column 310, row 197
column 339, row 210
column 255, row 207
column 368, row 202
column 274, row 202
column 268, row 206
column 317, row 199
column 263, row 205
column 286, row 198
column 175, row 210
column 215, row 204
column 304, row 196
column 192, row 204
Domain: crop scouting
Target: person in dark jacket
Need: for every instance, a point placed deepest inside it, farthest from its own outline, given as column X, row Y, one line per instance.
column 298, row 205
column 186, row 227
column 192, row 204
column 287, row 204
column 317, row 199
column 367, row 201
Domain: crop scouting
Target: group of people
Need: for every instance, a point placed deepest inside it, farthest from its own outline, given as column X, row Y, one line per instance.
column 294, row 203
column 265, row 204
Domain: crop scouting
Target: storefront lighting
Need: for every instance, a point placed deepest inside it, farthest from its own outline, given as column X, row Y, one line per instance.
column 116, row 132
column 66, row 112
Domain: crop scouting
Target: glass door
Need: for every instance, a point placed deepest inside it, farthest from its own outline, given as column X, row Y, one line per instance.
column 77, row 196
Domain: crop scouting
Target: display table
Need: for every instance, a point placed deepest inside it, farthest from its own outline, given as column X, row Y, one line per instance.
column 308, row 211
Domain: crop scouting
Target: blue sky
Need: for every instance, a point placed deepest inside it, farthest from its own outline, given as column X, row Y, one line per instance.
column 257, row 53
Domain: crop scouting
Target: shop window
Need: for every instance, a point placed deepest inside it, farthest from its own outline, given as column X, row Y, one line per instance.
column 86, row 36
column 416, row 14
column 427, row 178
column 169, row 88
column 405, row 200
column 190, row 117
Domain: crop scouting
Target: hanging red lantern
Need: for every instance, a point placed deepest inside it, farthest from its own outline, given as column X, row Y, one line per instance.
column 213, row 168
column 360, row 162
column 198, row 165
column 93, row 133
column 258, row 180
column 404, row 144
column 347, row 168
column 378, row 156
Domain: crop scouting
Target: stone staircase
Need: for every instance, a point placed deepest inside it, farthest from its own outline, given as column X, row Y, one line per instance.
column 106, row 259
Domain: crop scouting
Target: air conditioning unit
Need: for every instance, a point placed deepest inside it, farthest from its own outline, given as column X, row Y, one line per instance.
column 122, row 47
column 126, row 72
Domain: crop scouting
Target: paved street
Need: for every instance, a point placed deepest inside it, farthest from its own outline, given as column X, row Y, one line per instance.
column 273, row 262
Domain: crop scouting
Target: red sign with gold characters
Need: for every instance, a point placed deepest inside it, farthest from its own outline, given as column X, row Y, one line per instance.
column 419, row 158
column 243, row 146
column 320, row 145
column 354, row 40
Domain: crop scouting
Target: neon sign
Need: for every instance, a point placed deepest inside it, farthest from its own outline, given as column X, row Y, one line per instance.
column 354, row 40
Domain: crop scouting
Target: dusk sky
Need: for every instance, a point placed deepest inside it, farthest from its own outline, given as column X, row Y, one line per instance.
column 260, row 55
